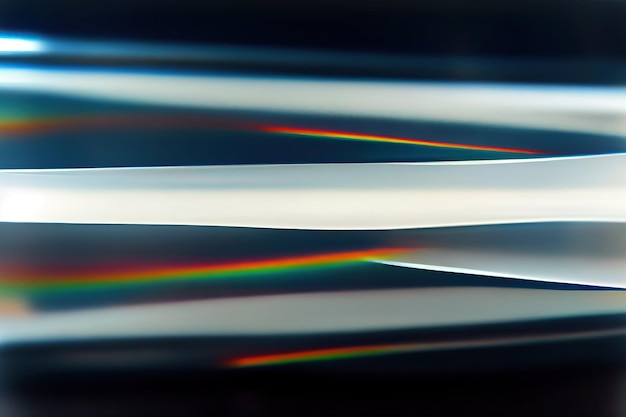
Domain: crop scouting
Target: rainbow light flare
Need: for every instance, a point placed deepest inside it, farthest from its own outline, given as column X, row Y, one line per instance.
column 24, row 282
column 323, row 355
column 52, row 124
column 388, row 349
column 390, row 139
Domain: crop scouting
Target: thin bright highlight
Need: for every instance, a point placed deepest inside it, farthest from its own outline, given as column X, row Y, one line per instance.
column 390, row 139
column 322, row 355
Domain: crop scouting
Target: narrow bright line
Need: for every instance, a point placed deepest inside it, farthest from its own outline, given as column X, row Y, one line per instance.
column 391, row 139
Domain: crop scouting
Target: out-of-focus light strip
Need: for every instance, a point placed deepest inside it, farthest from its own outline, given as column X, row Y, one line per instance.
column 573, row 109
column 19, row 45
column 14, row 281
column 339, row 196
column 390, row 139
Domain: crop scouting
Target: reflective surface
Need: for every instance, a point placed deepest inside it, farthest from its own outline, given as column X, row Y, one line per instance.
column 322, row 209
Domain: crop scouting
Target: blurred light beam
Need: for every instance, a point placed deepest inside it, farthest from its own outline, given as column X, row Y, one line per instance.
column 18, row 45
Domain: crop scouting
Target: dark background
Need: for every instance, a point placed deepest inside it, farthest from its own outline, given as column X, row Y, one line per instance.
column 527, row 29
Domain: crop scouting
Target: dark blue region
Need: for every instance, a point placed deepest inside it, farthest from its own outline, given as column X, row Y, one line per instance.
column 215, row 137
column 340, row 65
